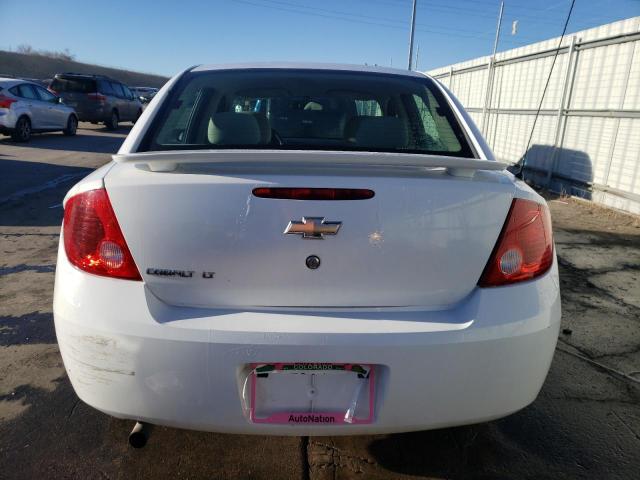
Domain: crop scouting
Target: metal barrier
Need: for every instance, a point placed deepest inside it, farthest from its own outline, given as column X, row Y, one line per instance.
column 587, row 138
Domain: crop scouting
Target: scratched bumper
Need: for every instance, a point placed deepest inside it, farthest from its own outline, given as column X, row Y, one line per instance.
column 132, row 356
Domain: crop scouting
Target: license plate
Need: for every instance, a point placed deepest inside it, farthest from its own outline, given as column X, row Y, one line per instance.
column 311, row 393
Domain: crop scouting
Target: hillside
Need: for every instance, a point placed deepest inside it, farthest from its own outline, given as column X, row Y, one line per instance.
column 39, row 66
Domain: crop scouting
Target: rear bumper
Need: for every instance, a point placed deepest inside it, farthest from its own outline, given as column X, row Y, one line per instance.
column 8, row 120
column 132, row 356
column 93, row 115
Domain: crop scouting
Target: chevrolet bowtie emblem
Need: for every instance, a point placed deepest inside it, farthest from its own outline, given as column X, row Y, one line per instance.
column 312, row 227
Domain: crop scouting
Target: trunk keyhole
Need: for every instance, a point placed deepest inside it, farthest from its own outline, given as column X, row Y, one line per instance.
column 313, row 262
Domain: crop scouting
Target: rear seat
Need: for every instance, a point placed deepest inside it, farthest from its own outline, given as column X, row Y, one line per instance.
column 263, row 125
column 254, row 128
column 243, row 128
column 326, row 124
column 310, row 124
column 377, row 132
column 230, row 128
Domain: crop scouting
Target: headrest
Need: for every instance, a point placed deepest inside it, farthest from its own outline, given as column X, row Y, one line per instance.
column 230, row 128
column 313, row 106
column 377, row 132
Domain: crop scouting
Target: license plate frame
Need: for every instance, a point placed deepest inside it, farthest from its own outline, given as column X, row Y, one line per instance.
column 362, row 376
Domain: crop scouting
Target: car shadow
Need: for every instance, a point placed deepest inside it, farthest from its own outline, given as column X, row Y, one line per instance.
column 31, row 193
column 573, row 171
column 29, row 328
column 121, row 128
column 548, row 439
column 59, row 436
column 84, row 141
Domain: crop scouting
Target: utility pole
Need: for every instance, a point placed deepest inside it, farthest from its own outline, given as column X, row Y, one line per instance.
column 411, row 35
column 492, row 59
column 495, row 44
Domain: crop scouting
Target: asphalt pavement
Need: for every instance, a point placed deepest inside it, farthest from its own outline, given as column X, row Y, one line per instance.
column 584, row 424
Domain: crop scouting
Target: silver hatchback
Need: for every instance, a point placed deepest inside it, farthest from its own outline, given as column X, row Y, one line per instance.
column 26, row 108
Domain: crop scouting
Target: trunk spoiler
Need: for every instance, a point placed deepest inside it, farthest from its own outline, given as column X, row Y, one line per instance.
column 292, row 160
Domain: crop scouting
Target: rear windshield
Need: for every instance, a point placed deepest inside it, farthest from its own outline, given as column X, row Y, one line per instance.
column 306, row 109
column 73, row 84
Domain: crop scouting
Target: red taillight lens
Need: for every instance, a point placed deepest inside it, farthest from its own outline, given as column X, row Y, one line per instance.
column 314, row 193
column 98, row 97
column 93, row 240
column 525, row 247
column 5, row 102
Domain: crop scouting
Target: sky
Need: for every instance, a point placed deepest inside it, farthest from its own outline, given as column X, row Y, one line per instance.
column 164, row 37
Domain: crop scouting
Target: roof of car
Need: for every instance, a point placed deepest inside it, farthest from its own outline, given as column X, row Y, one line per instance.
column 308, row 66
column 10, row 82
column 85, row 75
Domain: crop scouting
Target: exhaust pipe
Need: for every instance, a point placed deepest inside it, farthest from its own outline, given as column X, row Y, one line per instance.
column 139, row 435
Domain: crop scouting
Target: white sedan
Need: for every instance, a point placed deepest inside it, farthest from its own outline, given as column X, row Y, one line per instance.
column 301, row 249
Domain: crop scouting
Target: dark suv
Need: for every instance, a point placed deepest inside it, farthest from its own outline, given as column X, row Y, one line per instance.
column 97, row 98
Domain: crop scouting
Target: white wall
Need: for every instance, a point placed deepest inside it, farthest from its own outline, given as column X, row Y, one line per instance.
column 589, row 126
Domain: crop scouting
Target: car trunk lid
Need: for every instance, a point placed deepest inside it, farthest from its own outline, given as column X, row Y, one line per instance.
column 200, row 237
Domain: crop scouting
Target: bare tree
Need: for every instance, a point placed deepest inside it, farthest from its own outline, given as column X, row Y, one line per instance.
column 25, row 48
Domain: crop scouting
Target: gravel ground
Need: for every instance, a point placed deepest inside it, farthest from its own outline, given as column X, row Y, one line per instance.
column 584, row 424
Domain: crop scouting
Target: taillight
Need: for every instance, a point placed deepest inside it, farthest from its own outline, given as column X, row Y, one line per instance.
column 98, row 97
column 524, row 249
column 93, row 240
column 5, row 102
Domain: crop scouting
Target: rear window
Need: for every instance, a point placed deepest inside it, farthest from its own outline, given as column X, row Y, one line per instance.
column 306, row 109
column 73, row 84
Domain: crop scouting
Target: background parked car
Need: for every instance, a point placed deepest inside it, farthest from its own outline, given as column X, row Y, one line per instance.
column 144, row 93
column 26, row 107
column 97, row 98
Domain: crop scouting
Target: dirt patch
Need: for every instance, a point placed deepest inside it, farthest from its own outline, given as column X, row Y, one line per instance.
column 575, row 214
column 26, row 368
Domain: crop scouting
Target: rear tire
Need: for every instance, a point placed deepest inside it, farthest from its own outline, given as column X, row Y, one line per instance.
column 72, row 126
column 112, row 123
column 22, row 132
